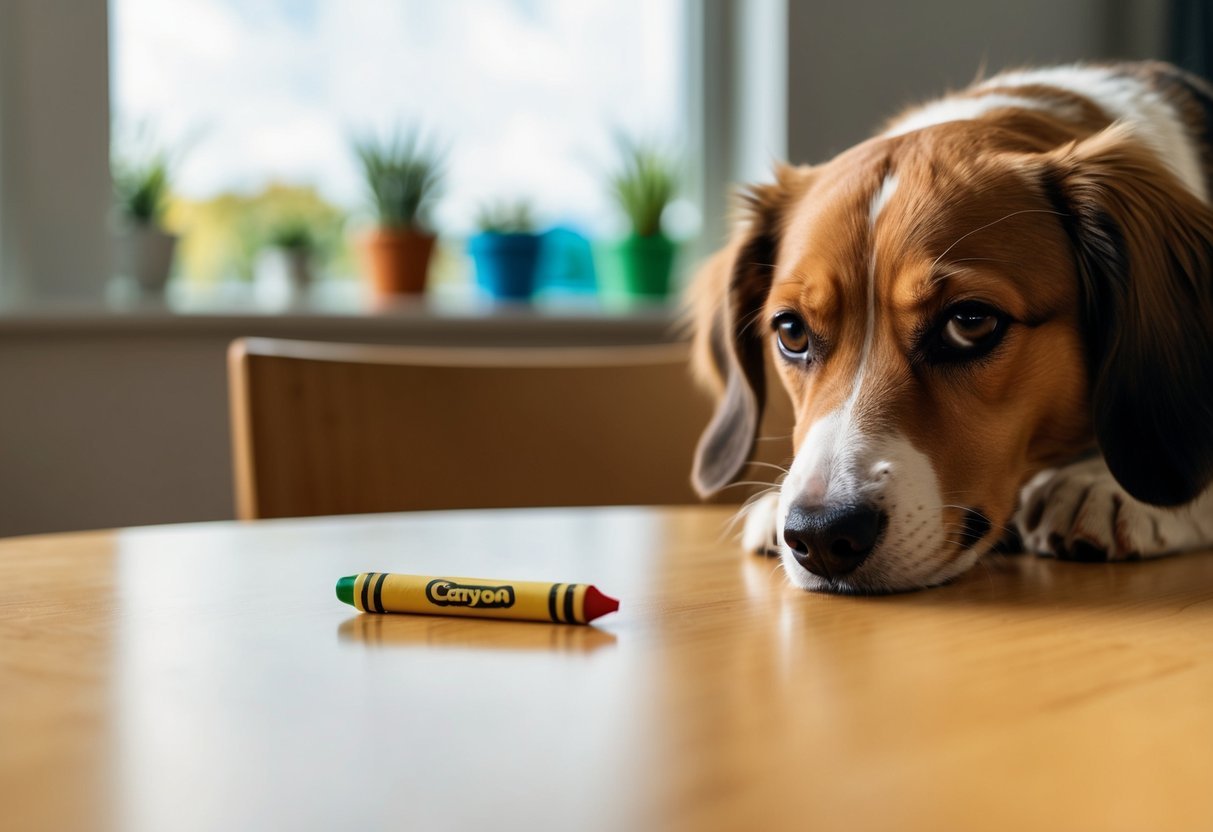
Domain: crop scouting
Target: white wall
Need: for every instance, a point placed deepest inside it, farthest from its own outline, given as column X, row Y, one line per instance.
column 854, row 64
column 122, row 420
column 10, row 264
column 801, row 80
column 54, row 148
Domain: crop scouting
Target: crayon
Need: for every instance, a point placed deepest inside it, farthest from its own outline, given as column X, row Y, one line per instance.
column 474, row 597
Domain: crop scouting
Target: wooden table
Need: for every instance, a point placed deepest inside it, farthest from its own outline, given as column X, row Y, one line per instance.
column 205, row 677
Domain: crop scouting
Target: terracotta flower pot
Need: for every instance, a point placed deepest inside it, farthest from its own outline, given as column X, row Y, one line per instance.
column 398, row 260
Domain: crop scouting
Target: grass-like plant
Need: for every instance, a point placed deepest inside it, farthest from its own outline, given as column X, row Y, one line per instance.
column 402, row 174
column 645, row 183
column 506, row 218
column 141, row 188
column 294, row 234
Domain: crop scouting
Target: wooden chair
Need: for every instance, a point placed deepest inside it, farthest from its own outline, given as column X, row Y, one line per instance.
column 343, row 429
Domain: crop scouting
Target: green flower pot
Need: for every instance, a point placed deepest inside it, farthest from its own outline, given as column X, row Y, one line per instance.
column 640, row 266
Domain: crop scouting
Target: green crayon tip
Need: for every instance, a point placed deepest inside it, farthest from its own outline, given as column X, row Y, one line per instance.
column 345, row 589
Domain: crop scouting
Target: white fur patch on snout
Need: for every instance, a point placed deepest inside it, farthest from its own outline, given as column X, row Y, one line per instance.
column 763, row 529
column 839, row 465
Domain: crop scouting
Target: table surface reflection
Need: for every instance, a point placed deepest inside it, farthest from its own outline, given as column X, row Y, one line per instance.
column 205, row 677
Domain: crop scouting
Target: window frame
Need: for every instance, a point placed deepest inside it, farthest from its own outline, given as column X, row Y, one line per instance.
column 55, row 187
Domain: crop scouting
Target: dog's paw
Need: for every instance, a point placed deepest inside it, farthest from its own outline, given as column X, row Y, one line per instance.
column 761, row 533
column 1080, row 512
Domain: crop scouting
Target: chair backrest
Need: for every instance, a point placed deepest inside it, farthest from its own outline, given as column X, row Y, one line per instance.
column 343, row 429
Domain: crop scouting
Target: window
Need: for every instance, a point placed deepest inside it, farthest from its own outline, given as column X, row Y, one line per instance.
column 257, row 102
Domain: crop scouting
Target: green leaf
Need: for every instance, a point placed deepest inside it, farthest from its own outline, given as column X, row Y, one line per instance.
column 402, row 174
column 141, row 188
column 506, row 218
column 644, row 185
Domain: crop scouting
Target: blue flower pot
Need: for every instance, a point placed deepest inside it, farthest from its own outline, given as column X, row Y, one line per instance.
column 506, row 263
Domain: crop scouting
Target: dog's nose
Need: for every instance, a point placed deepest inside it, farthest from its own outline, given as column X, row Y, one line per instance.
column 831, row 541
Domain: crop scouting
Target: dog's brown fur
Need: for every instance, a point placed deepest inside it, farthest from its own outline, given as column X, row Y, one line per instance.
column 1098, row 254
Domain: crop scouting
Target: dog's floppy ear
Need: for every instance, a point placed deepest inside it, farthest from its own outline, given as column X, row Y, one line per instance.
column 1144, row 248
column 727, row 298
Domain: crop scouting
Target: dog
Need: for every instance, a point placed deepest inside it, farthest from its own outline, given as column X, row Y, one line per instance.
column 996, row 315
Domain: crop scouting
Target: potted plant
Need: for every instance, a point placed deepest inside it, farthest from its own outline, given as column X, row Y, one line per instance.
column 643, row 186
column 294, row 245
column 506, row 251
column 402, row 175
column 143, row 248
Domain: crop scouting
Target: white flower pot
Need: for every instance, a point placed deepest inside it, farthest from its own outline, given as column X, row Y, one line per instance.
column 285, row 269
column 298, row 262
column 145, row 253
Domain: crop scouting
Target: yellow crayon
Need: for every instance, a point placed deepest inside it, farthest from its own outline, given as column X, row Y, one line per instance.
column 475, row 597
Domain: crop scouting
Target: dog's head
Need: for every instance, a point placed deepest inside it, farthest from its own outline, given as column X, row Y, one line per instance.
column 950, row 312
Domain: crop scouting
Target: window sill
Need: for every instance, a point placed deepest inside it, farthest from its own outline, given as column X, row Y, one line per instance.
column 325, row 313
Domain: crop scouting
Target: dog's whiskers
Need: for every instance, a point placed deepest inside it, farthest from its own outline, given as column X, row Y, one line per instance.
column 749, row 321
column 745, row 509
column 740, row 483
column 995, row 222
column 769, row 465
column 755, row 497
column 979, row 259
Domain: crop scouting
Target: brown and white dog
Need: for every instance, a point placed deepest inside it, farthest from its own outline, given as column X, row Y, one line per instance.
column 1000, row 309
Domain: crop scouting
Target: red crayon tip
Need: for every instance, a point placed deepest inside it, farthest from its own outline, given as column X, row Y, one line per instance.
column 597, row 604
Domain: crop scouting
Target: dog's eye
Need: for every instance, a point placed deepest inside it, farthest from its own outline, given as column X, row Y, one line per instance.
column 965, row 330
column 968, row 330
column 793, row 335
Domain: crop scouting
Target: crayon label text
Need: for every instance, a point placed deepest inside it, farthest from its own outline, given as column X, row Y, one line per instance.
column 444, row 593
